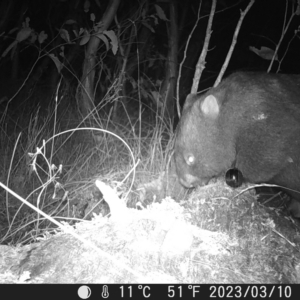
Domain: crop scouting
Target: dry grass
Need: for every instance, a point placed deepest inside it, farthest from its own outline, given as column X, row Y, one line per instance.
column 55, row 162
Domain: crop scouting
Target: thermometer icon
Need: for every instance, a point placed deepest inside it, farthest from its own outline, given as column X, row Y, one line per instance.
column 105, row 293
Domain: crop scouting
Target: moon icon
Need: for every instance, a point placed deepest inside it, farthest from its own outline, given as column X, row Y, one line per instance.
column 84, row 292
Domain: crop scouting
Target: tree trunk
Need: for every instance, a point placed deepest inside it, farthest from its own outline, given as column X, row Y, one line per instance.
column 168, row 88
column 85, row 95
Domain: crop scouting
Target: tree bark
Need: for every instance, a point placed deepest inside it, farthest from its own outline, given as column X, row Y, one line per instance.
column 85, row 95
column 168, row 89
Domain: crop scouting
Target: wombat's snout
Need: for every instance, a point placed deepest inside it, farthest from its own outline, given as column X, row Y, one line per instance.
column 191, row 181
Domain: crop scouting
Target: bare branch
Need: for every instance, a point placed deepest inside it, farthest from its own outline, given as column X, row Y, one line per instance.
column 201, row 62
column 183, row 60
column 284, row 31
column 234, row 39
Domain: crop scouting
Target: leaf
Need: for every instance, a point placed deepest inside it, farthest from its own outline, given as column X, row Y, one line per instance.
column 12, row 53
column 62, row 52
column 148, row 26
column 13, row 30
column 85, row 38
column 155, row 19
column 33, row 37
column 160, row 13
column 57, row 62
column 65, row 35
column 86, row 6
column 26, row 22
column 93, row 17
column 70, row 22
column 14, row 43
column 104, row 39
column 81, row 31
column 113, row 40
column 97, row 26
column 42, row 37
column 156, row 98
column 75, row 33
column 23, row 34
column 264, row 52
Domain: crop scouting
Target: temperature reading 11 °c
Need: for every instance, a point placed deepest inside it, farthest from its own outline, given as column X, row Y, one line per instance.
column 127, row 292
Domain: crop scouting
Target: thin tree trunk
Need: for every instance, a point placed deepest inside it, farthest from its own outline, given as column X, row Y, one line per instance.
column 168, row 88
column 85, row 95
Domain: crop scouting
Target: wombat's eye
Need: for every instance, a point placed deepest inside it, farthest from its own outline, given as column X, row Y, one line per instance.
column 190, row 159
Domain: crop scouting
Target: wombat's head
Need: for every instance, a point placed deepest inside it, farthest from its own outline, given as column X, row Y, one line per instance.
column 204, row 147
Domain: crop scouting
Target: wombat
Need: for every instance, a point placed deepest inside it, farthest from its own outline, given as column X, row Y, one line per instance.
column 250, row 122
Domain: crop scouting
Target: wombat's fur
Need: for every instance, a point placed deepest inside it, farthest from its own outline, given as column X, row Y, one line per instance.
column 251, row 122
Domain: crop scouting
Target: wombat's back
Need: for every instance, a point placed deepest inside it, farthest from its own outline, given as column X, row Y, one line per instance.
column 251, row 121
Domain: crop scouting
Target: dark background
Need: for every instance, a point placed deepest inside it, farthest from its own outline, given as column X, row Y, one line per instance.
column 262, row 26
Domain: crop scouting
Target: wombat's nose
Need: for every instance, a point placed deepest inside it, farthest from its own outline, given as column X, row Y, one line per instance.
column 191, row 181
column 185, row 184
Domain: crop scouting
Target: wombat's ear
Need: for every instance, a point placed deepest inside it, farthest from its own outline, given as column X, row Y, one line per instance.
column 210, row 106
column 190, row 99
